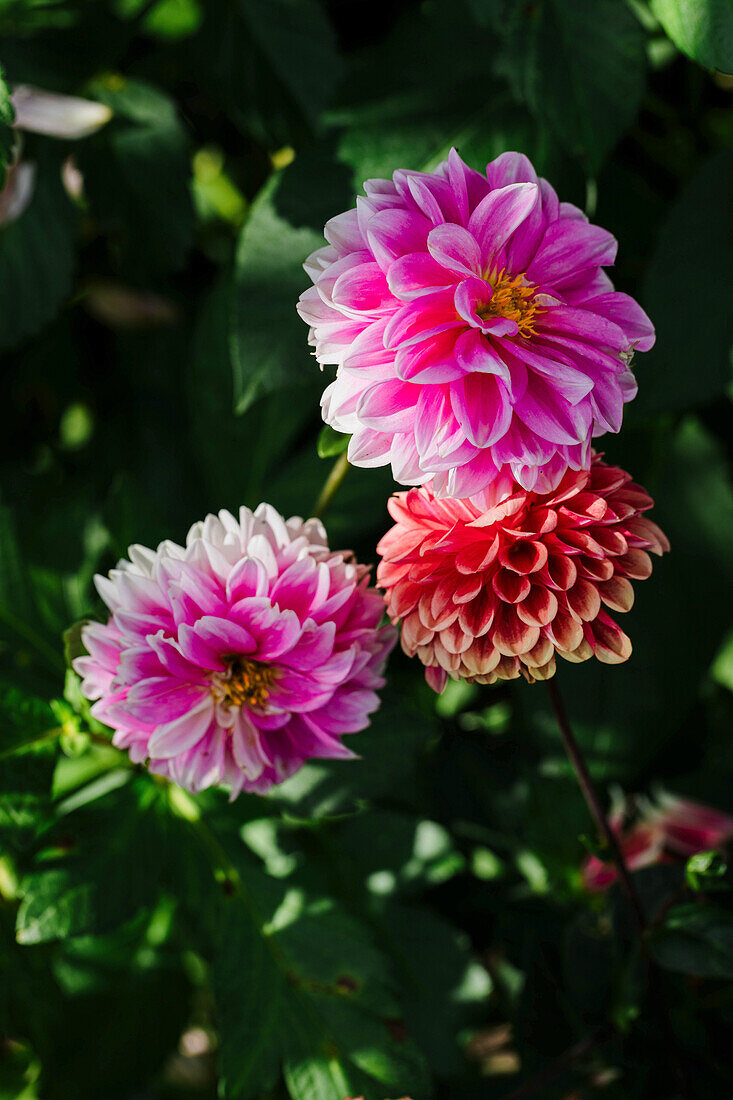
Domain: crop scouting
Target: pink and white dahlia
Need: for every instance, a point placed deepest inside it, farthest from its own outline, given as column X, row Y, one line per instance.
column 236, row 658
column 476, row 336
column 489, row 595
column 666, row 830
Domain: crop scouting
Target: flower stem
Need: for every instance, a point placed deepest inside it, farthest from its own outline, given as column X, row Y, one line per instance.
column 594, row 805
column 331, row 485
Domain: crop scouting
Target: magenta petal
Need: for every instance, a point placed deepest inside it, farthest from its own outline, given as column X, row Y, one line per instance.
column 313, row 648
column 475, row 352
column 550, row 417
column 224, row 637
column 458, row 177
column 482, row 407
column 628, row 315
column 569, row 246
column 469, row 297
column 420, row 319
column 363, row 288
column 455, row 249
column 583, row 324
column 498, row 215
column 432, row 360
column 182, row 733
column 389, row 406
column 394, row 233
column 248, row 578
column 417, row 274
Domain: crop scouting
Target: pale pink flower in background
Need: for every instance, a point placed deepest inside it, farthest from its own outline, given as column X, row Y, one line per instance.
column 238, row 657
column 476, row 337
column 660, row 831
column 491, row 595
column 56, row 115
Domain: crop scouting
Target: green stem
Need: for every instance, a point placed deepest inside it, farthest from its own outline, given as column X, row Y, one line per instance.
column 331, row 485
column 590, row 794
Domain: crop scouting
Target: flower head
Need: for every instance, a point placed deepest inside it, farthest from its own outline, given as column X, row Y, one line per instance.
column 487, row 595
column 658, row 832
column 477, row 338
column 237, row 657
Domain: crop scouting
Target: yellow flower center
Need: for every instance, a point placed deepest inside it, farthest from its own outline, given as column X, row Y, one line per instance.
column 245, row 683
column 514, row 300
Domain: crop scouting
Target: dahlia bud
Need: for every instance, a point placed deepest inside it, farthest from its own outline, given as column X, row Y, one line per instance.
column 489, row 595
column 238, row 657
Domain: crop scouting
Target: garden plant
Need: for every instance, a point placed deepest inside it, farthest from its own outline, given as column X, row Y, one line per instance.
column 361, row 360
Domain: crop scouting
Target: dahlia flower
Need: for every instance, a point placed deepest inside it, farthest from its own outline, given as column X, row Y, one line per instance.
column 234, row 659
column 658, row 832
column 476, row 337
column 487, row 595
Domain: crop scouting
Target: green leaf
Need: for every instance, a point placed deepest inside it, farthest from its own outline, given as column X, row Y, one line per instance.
column 703, row 29
column 691, row 328
column 435, row 967
column 36, row 256
column 269, row 341
column 331, row 443
column 705, row 870
column 580, row 66
column 23, row 719
column 297, row 41
column 695, row 939
column 7, row 133
column 388, row 754
column 124, row 848
column 21, row 625
column 302, row 986
column 137, row 175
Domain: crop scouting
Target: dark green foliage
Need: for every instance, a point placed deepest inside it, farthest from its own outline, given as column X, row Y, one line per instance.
column 411, row 922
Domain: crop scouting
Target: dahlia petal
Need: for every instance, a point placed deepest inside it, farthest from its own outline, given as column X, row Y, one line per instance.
column 418, row 320
column 470, row 295
column 436, row 677
column 511, row 636
column 394, row 233
column 538, row 609
column 474, row 353
column 617, row 594
column 363, row 289
column 628, row 315
column 388, row 406
column 416, row 275
column 369, row 448
column 584, row 600
column 482, row 408
column 455, row 249
column 223, row 637
column 431, row 361
column 343, row 232
column 609, row 643
column 182, row 733
column 498, row 215
column 568, row 247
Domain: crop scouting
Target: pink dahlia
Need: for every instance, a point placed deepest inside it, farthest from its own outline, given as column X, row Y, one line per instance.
column 476, row 336
column 669, row 829
column 237, row 657
column 487, row 595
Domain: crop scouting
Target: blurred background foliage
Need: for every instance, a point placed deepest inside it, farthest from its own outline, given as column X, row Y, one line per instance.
column 413, row 923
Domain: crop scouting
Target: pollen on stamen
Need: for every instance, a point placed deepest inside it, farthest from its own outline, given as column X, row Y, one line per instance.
column 245, row 683
column 513, row 299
